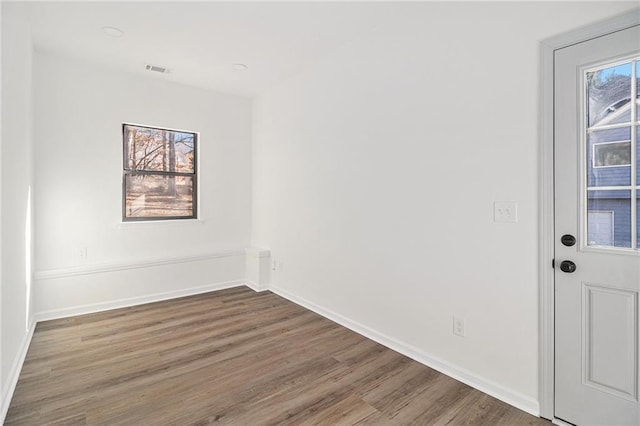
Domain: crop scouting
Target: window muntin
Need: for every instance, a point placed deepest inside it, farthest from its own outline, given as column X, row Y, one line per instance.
column 159, row 173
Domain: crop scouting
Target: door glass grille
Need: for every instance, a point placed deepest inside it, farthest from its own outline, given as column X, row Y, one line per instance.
column 611, row 134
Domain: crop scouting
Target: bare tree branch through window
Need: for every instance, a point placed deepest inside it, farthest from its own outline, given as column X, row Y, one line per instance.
column 159, row 173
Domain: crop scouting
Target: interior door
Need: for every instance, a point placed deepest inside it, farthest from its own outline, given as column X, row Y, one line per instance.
column 597, row 256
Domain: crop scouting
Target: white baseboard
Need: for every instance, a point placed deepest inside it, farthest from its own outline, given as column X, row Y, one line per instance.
column 498, row 391
column 14, row 373
column 132, row 301
column 255, row 287
column 559, row 422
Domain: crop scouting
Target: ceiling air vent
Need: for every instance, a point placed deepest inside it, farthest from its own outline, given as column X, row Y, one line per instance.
column 156, row 68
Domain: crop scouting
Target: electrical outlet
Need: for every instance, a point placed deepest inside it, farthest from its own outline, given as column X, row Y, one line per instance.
column 80, row 255
column 505, row 211
column 458, row 326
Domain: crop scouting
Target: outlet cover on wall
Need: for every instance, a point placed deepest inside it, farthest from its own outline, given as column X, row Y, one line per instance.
column 458, row 326
column 505, row 211
column 80, row 255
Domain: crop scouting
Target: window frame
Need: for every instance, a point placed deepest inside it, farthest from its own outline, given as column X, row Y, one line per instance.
column 130, row 172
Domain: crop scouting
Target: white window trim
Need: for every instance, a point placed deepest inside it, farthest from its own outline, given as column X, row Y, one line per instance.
column 152, row 224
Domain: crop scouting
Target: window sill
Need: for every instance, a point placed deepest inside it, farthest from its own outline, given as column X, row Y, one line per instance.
column 151, row 224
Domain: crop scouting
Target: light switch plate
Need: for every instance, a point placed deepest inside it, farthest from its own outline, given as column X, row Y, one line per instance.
column 505, row 211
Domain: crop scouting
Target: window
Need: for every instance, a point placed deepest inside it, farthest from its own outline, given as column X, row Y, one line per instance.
column 612, row 154
column 159, row 177
column 611, row 137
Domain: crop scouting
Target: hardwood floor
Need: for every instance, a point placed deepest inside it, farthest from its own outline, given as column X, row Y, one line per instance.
column 233, row 357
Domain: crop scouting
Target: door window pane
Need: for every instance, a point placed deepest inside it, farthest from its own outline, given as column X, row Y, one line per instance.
column 638, row 220
column 609, row 157
column 622, row 117
column 637, row 155
column 637, row 90
column 608, row 93
column 609, row 218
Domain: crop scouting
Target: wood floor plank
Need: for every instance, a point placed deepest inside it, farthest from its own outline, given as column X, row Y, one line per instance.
column 232, row 357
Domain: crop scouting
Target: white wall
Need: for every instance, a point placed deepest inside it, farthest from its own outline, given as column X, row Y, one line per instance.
column 78, row 113
column 375, row 174
column 16, row 180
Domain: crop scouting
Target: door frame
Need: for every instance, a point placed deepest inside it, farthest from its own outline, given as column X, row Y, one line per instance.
column 546, row 207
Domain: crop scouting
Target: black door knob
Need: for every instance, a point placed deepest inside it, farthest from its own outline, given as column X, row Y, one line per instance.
column 567, row 266
column 568, row 240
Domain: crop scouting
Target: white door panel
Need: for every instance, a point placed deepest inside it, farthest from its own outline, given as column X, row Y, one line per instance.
column 597, row 365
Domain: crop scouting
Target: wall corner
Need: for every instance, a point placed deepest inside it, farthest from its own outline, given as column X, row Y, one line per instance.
column 258, row 272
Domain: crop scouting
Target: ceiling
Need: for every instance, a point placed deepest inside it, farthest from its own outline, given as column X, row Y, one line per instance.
column 200, row 41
